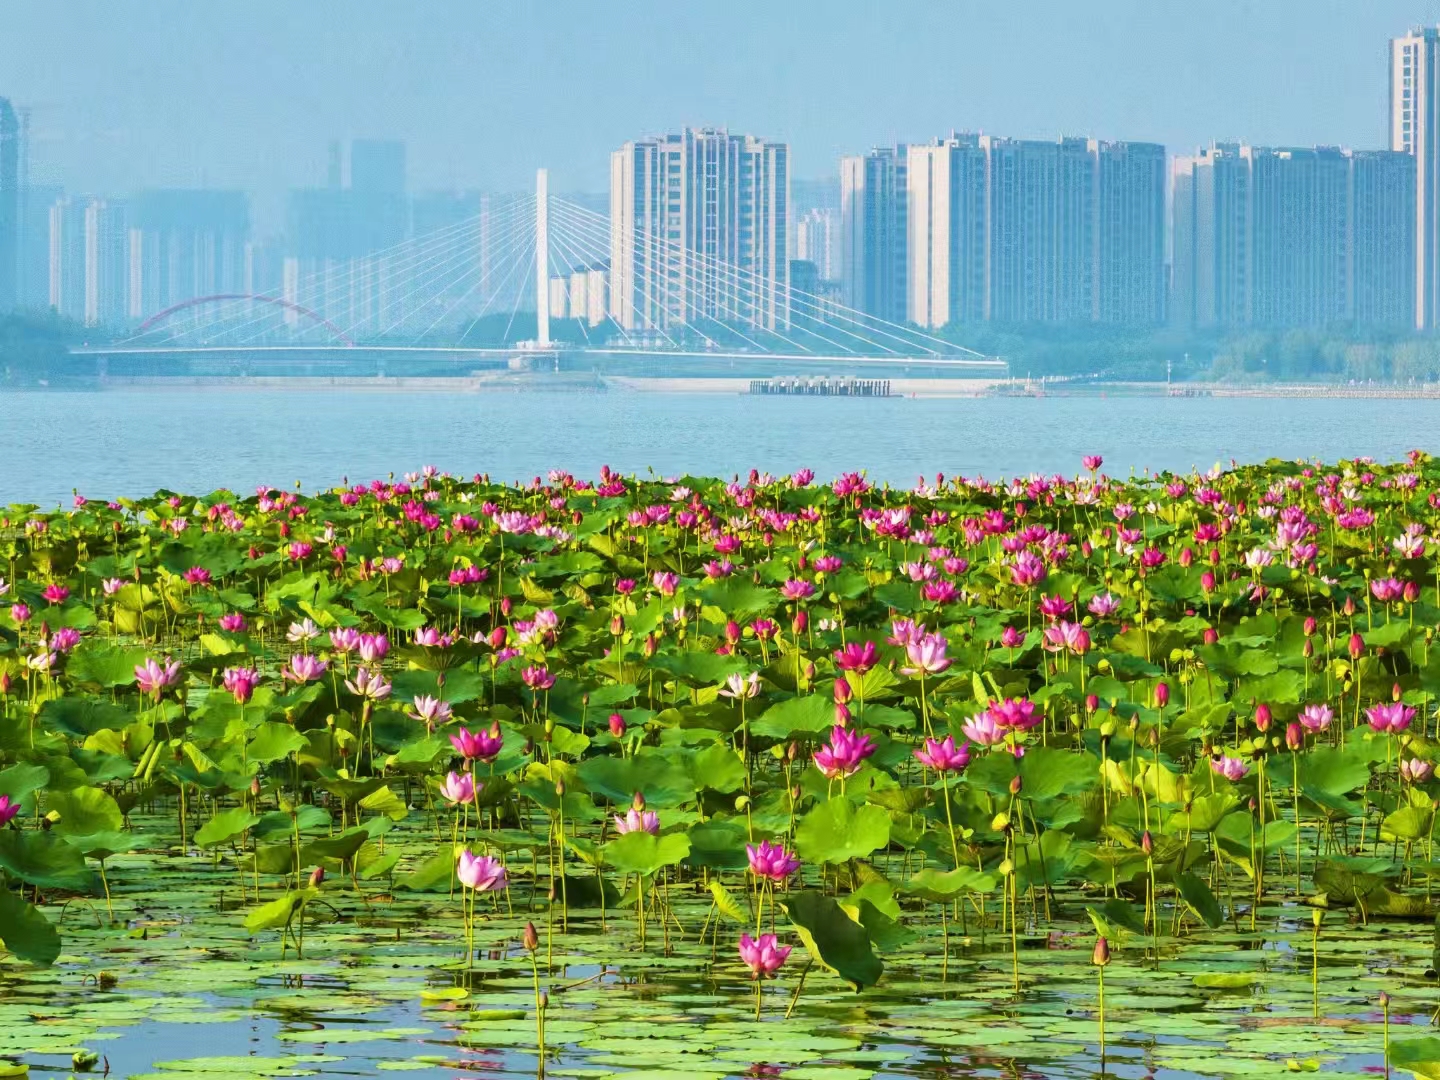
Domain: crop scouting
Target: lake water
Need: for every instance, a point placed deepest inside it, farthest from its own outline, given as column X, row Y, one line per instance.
column 133, row 441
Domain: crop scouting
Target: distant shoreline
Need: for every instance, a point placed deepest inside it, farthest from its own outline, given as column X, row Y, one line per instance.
column 591, row 383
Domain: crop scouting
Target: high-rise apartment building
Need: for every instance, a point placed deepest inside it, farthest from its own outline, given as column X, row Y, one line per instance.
column 9, row 205
column 67, row 258
column 1130, row 233
column 699, row 232
column 1415, row 130
column 945, row 219
column 1382, row 238
column 817, row 240
column 874, row 232
column 1282, row 237
column 184, row 244
column 1012, row 231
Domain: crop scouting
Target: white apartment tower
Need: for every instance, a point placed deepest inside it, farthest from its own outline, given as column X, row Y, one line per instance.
column 699, row 233
column 1414, row 114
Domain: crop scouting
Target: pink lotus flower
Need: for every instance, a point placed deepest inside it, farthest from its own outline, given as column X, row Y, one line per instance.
column 300, row 550
column 904, row 632
column 232, row 623
column 666, row 582
column 457, row 788
column 153, row 677
column 796, row 590
column 1103, row 605
column 763, row 957
column 740, row 687
column 302, row 631
column 1092, row 462
column 1387, row 590
column 1316, row 718
column 944, row 756
column 927, row 655
column 857, row 657
column 345, row 639
column 637, row 821
column 56, row 594
column 1011, row 638
column 477, row 745
column 771, row 861
column 1230, row 768
column 373, row 647
column 63, row 640
column 20, row 613
column 940, row 592
column 8, row 810
column 481, row 873
column 371, row 686
column 241, row 682
column 1028, row 569
column 110, row 586
column 982, row 729
column 1390, row 717
column 1016, row 714
column 197, row 575
column 842, row 756
column 303, row 668
column 1412, row 770
column 537, row 677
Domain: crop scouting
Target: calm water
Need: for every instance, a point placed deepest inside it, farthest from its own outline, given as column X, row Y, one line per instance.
column 131, row 442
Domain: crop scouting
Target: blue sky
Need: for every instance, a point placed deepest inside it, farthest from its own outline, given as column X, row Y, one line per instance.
column 132, row 93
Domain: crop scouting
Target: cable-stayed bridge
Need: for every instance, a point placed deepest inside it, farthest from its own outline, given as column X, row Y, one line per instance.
column 534, row 280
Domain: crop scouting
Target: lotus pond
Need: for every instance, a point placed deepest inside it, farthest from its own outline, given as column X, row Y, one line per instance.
column 691, row 778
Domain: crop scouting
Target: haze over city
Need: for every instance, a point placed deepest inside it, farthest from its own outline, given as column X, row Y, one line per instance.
column 173, row 94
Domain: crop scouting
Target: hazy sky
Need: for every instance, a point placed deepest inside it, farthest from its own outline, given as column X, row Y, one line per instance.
column 133, row 93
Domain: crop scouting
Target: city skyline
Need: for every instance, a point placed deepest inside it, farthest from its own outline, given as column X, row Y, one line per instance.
column 259, row 113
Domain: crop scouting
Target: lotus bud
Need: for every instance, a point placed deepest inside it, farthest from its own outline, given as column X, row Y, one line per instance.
column 842, row 713
column 1085, row 549
column 800, row 622
column 617, row 725
column 1207, row 581
column 1187, row 556
column 1147, row 843
column 810, row 671
column 1395, row 692
column 1357, row 646
column 1209, row 635
column 497, row 637
column 255, row 787
column 842, row 690
column 1154, row 737
column 1101, row 956
column 549, row 727
column 617, row 625
column 1015, row 785
column 5, row 683
column 506, row 606
column 530, row 938
column 317, row 876
column 1308, row 649
column 1162, row 695
column 1262, row 717
column 1251, row 804
column 1317, row 916
column 651, row 644
column 1294, row 736
column 792, row 751
column 544, row 1000
column 1349, row 608
column 732, row 632
column 560, row 788
column 1412, row 592
column 1092, row 702
column 1214, row 556
column 1310, row 625
column 638, row 802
